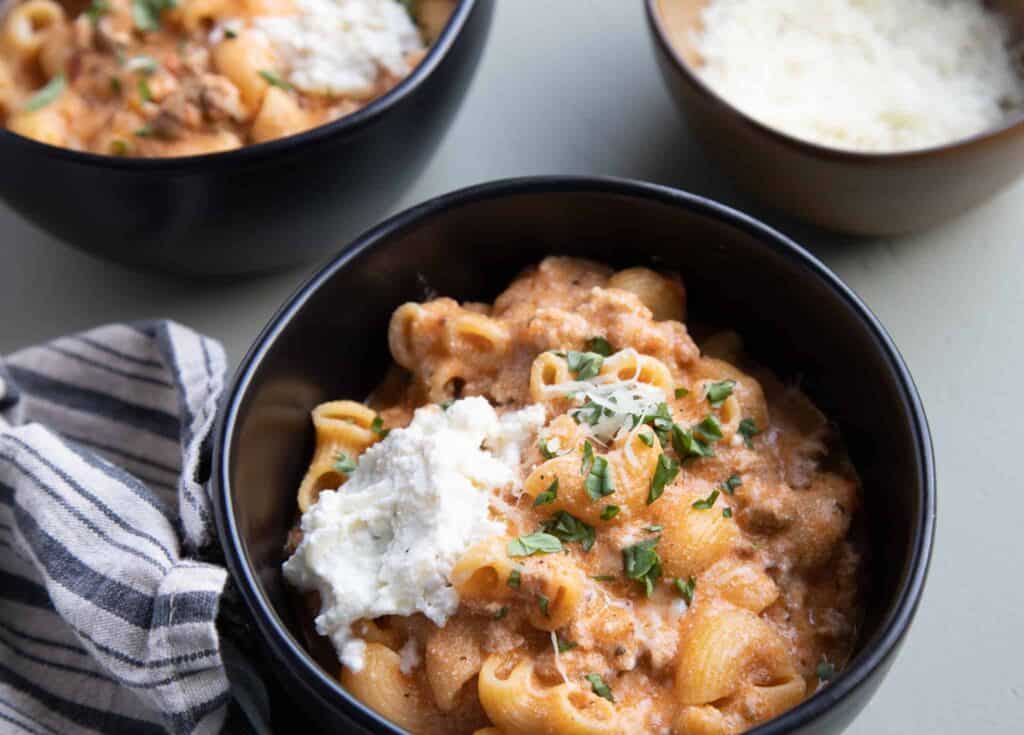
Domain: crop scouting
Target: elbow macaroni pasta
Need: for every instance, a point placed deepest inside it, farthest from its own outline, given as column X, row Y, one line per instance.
column 278, row 117
column 453, row 658
column 665, row 297
column 519, row 703
column 752, row 573
column 241, row 59
column 197, row 77
column 342, row 427
column 27, row 25
column 482, row 572
column 382, row 686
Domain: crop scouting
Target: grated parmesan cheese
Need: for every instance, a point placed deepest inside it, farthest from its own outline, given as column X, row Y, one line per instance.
column 558, row 657
column 614, row 402
column 870, row 75
column 340, row 47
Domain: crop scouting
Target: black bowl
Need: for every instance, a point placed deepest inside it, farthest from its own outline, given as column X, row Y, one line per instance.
column 258, row 208
column 329, row 341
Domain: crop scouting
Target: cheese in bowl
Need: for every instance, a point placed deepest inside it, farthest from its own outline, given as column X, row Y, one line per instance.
column 558, row 514
column 870, row 76
column 156, row 78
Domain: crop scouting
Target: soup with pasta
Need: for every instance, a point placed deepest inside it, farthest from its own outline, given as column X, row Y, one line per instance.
column 558, row 514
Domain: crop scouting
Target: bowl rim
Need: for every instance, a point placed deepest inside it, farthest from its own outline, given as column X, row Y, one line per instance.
column 291, row 652
column 1013, row 124
column 438, row 51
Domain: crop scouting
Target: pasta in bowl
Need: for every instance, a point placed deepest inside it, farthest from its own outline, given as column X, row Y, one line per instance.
column 165, row 78
column 430, row 289
column 250, row 209
column 560, row 515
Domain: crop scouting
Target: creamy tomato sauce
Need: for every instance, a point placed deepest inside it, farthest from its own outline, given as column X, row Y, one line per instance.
column 720, row 591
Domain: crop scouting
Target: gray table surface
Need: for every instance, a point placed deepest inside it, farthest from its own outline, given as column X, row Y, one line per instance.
column 571, row 87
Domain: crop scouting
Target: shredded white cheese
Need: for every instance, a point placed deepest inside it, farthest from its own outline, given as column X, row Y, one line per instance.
column 871, row 75
column 340, row 47
column 608, row 404
column 385, row 542
column 558, row 657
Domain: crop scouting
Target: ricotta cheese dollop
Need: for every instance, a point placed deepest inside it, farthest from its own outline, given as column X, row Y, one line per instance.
column 339, row 47
column 385, row 542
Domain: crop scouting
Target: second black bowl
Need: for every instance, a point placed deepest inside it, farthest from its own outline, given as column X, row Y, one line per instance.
column 330, row 341
column 258, row 208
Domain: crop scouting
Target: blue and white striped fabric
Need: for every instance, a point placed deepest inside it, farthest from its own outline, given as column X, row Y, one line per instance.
column 107, row 618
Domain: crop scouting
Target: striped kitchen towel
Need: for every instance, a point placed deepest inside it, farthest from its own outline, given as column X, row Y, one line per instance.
column 107, row 609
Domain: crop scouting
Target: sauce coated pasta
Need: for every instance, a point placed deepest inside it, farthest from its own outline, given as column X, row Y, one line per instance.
column 187, row 77
column 651, row 536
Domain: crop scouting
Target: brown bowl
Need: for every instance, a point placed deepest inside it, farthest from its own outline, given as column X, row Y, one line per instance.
column 858, row 193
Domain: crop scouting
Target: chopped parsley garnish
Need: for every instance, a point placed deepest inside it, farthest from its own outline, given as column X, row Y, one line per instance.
column 588, row 458
column 568, row 528
column 600, row 346
column 599, row 482
column 708, row 430
column 548, row 496
column 544, row 604
column 609, row 512
column 718, row 392
column 565, row 645
column 146, row 131
column 534, row 543
column 228, row 33
column 664, row 473
column 274, row 80
column 727, row 513
column 603, row 578
column 643, row 564
column 97, row 10
column 144, row 92
column 646, row 438
column 115, row 85
column 729, row 486
column 825, row 671
column 118, row 147
column 47, row 94
column 598, row 686
column 589, row 413
column 654, row 528
column 748, row 430
column 584, row 364
column 445, row 405
column 377, row 427
column 660, row 420
column 344, row 464
column 503, row 612
column 515, row 578
column 686, row 588
column 682, row 392
column 707, row 502
column 546, row 451
column 146, row 13
column 688, row 446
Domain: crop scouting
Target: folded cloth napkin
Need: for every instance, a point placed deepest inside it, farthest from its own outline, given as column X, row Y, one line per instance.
column 108, row 607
